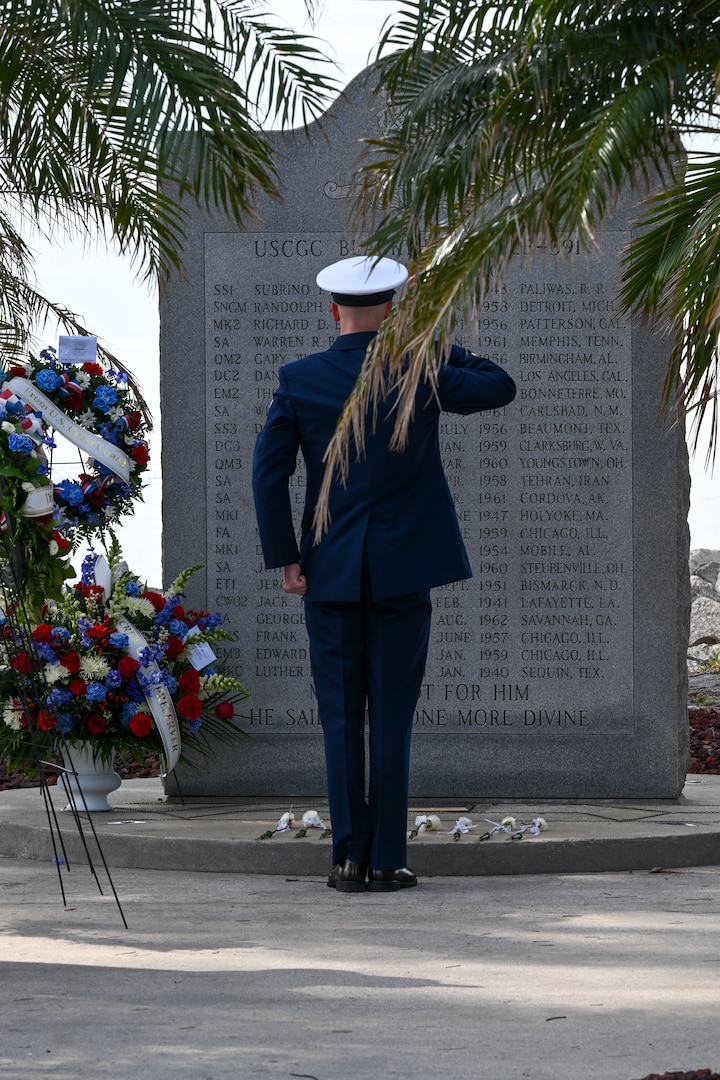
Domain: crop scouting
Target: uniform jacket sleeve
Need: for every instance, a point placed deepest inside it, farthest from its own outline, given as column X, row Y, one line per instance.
column 274, row 462
column 468, row 383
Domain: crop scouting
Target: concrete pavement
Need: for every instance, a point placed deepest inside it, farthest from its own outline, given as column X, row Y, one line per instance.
column 489, row 970
column 222, row 976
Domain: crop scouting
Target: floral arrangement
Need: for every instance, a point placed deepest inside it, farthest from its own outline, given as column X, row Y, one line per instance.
column 73, row 675
column 46, row 519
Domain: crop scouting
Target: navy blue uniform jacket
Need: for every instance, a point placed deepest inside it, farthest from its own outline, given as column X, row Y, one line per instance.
column 396, row 514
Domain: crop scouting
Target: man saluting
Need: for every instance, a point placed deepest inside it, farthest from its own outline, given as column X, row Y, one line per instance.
column 393, row 535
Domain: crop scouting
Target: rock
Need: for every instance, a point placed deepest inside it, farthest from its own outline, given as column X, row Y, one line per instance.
column 705, row 563
column 705, row 621
column 700, row 587
column 704, row 689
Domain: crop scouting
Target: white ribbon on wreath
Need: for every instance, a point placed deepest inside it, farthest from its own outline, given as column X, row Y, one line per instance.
column 157, row 695
column 109, row 455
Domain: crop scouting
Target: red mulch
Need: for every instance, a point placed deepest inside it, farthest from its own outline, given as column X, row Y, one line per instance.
column 125, row 767
column 704, row 742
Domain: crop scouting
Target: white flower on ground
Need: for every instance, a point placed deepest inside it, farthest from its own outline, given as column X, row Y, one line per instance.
column 508, row 822
column 425, row 823
column 287, row 819
column 462, row 826
column 311, row 820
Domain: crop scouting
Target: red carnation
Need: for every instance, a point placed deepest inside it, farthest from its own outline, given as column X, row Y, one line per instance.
column 190, row 706
column 140, row 724
column 46, row 720
column 95, row 723
column 141, row 453
column 133, row 418
column 71, row 661
column 97, row 631
column 127, row 667
column 92, row 369
column 190, row 681
column 174, row 647
column 78, row 687
column 43, row 632
column 17, row 370
column 22, row 663
column 156, row 599
column 179, row 613
column 224, row 710
column 96, row 497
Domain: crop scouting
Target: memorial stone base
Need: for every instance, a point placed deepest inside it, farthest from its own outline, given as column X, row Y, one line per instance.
column 558, row 670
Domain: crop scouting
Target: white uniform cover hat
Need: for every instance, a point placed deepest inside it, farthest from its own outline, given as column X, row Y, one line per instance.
column 362, row 281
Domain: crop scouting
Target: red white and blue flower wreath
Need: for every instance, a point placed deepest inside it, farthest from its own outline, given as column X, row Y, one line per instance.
column 96, row 410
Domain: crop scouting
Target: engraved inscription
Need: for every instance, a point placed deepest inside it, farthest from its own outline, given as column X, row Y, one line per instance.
column 543, row 492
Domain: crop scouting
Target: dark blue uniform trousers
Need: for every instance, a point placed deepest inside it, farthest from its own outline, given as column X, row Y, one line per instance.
column 369, row 653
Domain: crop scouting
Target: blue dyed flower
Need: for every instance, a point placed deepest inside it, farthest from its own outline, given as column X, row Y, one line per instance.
column 96, row 692
column 178, row 628
column 21, row 444
column 132, row 589
column 118, row 640
column 69, row 491
column 133, row 691
column 193, row 725
column 171, row 683
column 58, row 696
column 60, row 633
column 105, row 398
column 113, row 680
column 48, row 380
column 65, row 722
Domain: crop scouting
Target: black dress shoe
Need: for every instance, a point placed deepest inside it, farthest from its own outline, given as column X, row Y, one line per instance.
column 348, row 876
column 391, row 880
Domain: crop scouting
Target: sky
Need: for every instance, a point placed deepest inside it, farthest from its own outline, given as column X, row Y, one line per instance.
column 101, row 287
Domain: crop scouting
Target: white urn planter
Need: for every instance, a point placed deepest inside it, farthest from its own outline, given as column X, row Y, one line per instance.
column 95, row 780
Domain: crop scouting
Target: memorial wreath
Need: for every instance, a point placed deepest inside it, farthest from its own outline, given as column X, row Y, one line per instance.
column 98, row 411
column 115, row 666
